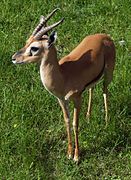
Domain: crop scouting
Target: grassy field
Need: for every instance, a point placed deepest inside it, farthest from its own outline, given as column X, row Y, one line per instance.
column 33, row 139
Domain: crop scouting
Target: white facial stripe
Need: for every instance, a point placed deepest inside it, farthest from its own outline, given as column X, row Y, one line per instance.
column 36, row 44
column 27, row 52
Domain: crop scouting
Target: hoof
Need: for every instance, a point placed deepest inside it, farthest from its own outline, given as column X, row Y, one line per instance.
column 88, row 117
column 76, row 159
column 69, row 156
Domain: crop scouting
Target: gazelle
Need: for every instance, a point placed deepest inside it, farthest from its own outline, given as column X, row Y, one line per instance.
column 68, row 78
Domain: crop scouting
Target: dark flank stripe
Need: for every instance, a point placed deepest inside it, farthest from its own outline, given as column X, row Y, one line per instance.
column 96, row 79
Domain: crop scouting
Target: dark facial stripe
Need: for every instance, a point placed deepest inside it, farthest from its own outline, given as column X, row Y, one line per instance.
column 20, row 52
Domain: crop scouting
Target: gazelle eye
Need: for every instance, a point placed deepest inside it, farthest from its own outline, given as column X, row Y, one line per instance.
column 34, row 49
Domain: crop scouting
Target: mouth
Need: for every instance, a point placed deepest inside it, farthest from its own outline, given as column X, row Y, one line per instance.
column 19, row 62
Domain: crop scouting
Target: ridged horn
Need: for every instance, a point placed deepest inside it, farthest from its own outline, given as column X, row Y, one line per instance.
column 51, row 14
column 39, row 26
column 43, row 21
column 46, row 29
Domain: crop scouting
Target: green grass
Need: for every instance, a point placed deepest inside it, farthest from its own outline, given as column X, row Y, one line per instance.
column 33, row 139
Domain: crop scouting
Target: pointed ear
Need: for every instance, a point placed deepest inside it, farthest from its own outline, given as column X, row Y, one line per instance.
column 52, row 38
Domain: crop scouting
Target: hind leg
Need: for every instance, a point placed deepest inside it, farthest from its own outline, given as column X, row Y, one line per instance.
column 107, row 80
column 88, row 114
column 105, row 95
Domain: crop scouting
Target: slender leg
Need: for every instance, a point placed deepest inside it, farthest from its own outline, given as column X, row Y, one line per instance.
column 105, row 95
column 77, row 106
column 89, row 103
column 107, row 80
column 64, row 106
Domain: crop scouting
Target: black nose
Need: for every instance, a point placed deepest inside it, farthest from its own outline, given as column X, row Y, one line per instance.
column 14, row 60
column 13, row 57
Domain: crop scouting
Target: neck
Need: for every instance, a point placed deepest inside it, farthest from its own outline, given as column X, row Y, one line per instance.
column 50, row 58
column 51, row 75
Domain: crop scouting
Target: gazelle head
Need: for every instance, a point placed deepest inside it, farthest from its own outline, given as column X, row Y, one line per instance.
column 38, row 42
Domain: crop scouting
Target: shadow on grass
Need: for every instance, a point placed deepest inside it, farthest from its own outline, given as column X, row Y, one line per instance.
column 115, row 144
column 45, row 160
column 114, row 139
